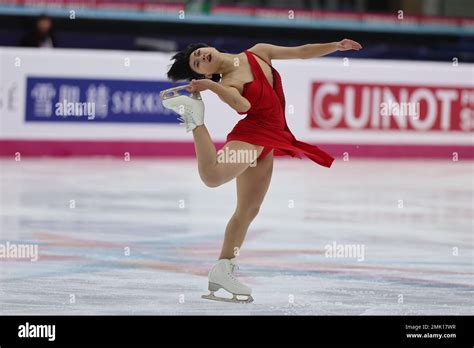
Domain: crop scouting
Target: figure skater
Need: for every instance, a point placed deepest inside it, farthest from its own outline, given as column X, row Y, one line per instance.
column 250, row 85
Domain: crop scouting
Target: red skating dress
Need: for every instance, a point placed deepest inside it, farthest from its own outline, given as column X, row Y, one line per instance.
column 265, row 123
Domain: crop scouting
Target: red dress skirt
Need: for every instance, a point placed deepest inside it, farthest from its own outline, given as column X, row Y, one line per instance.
column 265, row 123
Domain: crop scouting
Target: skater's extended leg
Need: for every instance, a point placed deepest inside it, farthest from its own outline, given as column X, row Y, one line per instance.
column 214, row 173
column 252, row 185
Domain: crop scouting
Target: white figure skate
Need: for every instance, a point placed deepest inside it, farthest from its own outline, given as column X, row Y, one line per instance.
column 221, row 277
column 190, row 107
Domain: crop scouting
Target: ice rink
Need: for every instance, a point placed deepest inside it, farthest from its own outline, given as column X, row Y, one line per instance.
column 139, row 236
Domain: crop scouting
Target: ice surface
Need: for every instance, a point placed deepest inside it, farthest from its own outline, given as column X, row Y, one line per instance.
column 414, row 219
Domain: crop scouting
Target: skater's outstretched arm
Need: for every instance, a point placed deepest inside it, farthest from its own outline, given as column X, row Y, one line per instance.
column 270, row 52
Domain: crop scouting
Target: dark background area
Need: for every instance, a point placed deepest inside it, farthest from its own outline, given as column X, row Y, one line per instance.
column 126, row 35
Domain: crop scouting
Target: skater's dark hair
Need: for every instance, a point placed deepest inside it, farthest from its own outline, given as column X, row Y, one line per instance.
column 180, row 69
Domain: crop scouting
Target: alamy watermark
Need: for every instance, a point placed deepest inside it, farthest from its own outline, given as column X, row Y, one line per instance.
column 336, row 250
column 226, row 155
column 77, row 109
column 19, row 251
column 28, row 330
column 402, row 109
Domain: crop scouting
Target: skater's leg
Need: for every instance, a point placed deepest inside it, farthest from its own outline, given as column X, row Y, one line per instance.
column 252, row 185
column 212, row 172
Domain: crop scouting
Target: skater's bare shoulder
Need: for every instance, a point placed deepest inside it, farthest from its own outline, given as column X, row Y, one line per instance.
column 262, row 50
column 268, row 52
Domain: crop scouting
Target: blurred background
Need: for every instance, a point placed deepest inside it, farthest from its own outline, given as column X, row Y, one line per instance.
column 392, row 29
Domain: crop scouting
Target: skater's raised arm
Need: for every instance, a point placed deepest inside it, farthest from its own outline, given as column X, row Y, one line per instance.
column 228, row 94
column 269, row 52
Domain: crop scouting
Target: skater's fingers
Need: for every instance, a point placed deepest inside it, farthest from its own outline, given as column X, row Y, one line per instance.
column 353, row 44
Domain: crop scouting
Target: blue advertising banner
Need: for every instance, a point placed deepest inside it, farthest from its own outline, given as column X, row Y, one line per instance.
column 96, row 100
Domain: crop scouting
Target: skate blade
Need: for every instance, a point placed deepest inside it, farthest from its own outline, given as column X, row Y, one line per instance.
column 234, row 299
column 174, row 92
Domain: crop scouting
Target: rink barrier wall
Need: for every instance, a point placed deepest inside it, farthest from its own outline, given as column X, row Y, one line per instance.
column 39, row 148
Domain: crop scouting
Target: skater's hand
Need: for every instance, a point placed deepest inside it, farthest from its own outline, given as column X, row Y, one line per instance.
column 200, row 85
column 346, row 45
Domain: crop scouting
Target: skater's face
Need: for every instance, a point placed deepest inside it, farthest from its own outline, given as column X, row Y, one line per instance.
column 204, row 61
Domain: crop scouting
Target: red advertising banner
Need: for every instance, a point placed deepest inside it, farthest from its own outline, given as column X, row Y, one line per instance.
column 366, row 106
